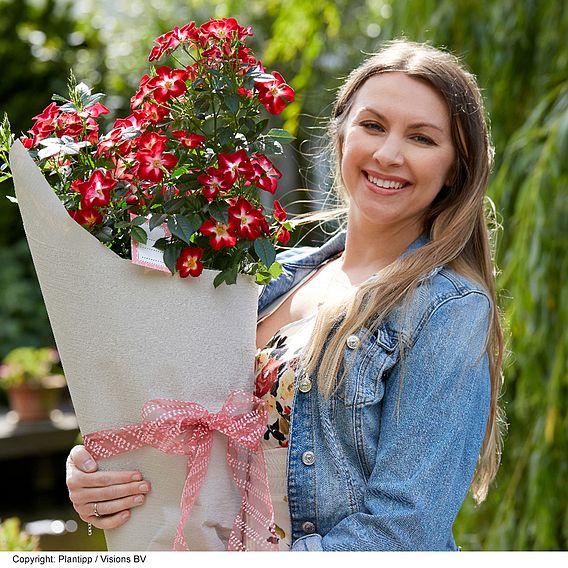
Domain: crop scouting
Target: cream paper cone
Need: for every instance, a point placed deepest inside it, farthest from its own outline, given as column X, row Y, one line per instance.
column 128, row 334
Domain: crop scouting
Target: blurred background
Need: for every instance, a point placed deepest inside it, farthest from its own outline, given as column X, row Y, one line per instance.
column 518, row 51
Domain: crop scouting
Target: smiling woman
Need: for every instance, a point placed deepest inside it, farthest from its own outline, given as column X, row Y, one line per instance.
column 380, row 352
column 397, row 152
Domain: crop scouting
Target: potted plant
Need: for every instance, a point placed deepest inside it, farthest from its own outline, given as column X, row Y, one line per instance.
column 33, row 381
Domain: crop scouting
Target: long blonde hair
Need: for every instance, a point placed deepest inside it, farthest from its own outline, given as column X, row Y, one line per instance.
column 456, row 224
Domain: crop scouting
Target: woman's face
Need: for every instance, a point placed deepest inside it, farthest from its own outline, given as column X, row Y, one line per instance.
column 397, row 153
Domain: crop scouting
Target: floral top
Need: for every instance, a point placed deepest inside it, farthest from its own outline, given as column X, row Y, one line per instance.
column 276, row 367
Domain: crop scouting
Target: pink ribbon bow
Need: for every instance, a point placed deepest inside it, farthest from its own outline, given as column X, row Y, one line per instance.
column 177, row 427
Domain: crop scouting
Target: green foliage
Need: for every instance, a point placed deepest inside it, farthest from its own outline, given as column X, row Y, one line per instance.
column 22, row 311
column 13, row 538
column 39, row 42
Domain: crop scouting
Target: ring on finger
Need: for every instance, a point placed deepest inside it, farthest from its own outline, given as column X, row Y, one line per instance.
column 95, row 512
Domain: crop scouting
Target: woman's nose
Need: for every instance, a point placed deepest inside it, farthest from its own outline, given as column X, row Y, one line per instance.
column 389, row 151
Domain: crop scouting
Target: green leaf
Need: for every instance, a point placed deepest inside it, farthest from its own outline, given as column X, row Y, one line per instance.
column 269, row 146
column 219, row 279
column 219, row 212
column 161, row 244
column 228, row 276
column 90, row 100
column 232, row 102
column 184, row 227
column 174, row 206
column 60, row 99
column 275, row 270
column 262, row 278
column 181, row 170
column 156, row 220
column 265, row 250
column 224, row 135
column 139, row 235
column 258, row 128
column 171, row 254
column 283, row 136
column 140, row 220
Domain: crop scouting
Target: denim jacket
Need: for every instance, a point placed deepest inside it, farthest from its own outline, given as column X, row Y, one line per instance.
column 386, row 462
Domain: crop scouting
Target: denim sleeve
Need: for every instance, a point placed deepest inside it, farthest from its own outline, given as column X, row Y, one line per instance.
column 432, row 426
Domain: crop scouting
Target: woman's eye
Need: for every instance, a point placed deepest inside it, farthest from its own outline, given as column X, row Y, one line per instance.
column 423, row 139
column 372, row 126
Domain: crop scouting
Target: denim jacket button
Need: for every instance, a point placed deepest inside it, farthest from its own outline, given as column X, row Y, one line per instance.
column 309, row 458
column 353, row 342
column 305, row 384
column 308, row 527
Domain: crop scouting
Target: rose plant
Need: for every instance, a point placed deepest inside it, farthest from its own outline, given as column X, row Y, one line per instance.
column 193, row 155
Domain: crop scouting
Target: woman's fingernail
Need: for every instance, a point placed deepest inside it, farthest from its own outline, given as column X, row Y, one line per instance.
column 137, row 477
column 90, row 464
column 143, row 487
column 139, row 499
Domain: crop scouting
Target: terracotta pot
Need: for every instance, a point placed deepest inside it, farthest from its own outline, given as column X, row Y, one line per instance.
column 35, row 402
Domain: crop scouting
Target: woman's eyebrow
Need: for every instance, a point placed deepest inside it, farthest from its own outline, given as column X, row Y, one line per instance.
column 421, row 124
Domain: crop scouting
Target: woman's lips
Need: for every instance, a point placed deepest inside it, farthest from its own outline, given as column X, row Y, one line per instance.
column 387, row 185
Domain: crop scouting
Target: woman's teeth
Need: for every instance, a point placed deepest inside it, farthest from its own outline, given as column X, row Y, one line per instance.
column 386, row 184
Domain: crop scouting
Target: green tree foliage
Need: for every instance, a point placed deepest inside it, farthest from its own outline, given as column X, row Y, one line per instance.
column 39, row 42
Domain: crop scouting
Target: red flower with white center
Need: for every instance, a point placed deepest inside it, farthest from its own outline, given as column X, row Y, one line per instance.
column 279, row 211
column 218, row 233
column 117, row 140
column 154, row 164
column 69, row 124
column 94, row 111
column 189, row 262
column 140, row 95
column 245, row 219
column 96, row 190
column 170, row 40
column 166, row 42
column 246, row 57
column 268, row 175
column 152, row 113
column 214, row 181
column 50, row 112
column 274, row 94
column 87, row 217
column 168, row 83
column 151, row 141
column 189, row 140
column 223, row 29
column 236, row 164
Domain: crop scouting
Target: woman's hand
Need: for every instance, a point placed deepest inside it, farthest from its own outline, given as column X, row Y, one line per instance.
column 102, row 498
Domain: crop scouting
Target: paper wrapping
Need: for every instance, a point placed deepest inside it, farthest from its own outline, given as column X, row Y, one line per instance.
column 127, row 334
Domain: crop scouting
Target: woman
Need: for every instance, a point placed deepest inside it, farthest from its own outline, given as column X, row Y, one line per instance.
column 380, row 351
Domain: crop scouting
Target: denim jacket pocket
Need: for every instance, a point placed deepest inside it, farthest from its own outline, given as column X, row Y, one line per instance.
column 368, row 358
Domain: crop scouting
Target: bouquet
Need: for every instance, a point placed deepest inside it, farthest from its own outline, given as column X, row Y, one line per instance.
column 192, row 158
column 162, row 366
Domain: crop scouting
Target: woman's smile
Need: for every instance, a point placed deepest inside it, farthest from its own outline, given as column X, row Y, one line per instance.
column 385, row 184
column 397, row 152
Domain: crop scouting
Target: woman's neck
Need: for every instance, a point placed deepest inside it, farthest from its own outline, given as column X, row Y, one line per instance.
column 370, row 249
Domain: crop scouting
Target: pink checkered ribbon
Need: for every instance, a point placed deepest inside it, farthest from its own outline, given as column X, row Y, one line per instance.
column 177, row 427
